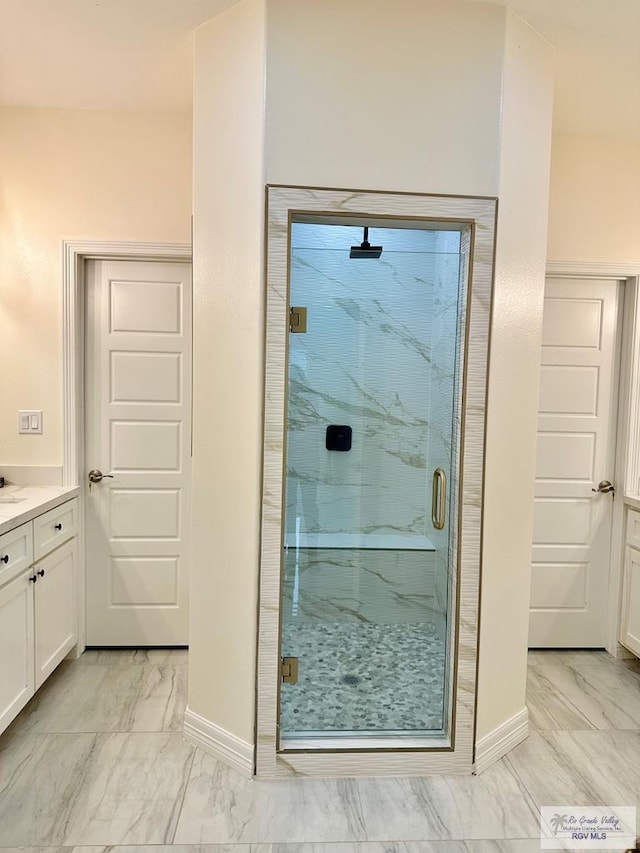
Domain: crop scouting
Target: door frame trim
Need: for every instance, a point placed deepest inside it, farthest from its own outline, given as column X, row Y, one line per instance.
column 627, row 456
column 74, row 255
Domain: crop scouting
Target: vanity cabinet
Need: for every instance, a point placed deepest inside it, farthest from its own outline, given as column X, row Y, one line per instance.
column 630, row 621
column 38, row 609
column 17, row 661
column 54, row 609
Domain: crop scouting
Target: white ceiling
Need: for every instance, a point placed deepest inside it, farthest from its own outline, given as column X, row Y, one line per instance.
column 137, row 55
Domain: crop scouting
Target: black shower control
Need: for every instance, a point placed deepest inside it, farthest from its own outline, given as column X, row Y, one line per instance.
column 338, row 437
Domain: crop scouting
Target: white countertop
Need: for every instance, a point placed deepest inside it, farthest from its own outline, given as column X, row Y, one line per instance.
column 629, row 501
column 30, row 501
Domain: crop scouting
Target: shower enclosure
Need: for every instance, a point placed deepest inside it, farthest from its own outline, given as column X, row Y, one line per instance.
column 368, row 378
column 372, row 390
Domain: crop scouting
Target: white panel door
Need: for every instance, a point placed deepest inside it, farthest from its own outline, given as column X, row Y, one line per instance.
column 576, row 450
column 138, row 431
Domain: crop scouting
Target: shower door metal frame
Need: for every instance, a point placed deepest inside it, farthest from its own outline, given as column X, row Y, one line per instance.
column 477, row 217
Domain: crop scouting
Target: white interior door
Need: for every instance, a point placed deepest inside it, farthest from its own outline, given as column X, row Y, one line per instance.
column 576, row 451
column 138, row 432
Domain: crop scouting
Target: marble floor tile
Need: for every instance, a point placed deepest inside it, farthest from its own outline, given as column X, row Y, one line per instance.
column 173, row 848
column 492, row 805
column 548, row 707
column 159, row 657
column 97, row 764
column 40, row 849
column 580, row 696
column 222, row 806
column 88, row 789
column 581, row 768
column 582, row 657
column 120, row 698
column 149, row 848
column 521, row 845
column 589, row 657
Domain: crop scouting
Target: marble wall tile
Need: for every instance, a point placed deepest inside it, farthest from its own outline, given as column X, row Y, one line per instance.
column 365, row 361
column 122, row 698
column 358, row 584
column 446, row 406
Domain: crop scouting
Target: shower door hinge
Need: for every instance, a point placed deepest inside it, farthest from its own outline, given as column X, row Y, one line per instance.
column 297, row 319
column 289, row 670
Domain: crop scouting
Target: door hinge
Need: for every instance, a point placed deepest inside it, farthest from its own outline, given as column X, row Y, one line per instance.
column 297, row 319
column 289, row 670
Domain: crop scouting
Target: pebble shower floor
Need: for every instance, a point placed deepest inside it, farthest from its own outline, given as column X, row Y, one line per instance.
column 363, row 676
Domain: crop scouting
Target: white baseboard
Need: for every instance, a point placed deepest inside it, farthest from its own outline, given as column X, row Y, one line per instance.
column 224, row 746
column 502, row 740
column 622, row 653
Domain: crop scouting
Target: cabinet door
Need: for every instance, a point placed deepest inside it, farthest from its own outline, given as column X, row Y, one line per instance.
column 55, row 608
column 16, row 642
column 630, row 636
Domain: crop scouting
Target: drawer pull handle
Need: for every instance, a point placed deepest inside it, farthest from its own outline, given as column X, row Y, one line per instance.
column 33, row 579
column 5, row 559
column 57, row 526
column 41, row 572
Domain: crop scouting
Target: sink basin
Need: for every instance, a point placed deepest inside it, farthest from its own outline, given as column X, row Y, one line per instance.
column 11, row 500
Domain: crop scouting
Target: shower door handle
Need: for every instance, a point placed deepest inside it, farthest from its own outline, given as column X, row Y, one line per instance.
column 438, row 498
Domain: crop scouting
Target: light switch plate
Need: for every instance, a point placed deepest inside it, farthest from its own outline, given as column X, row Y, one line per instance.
column 30, row 422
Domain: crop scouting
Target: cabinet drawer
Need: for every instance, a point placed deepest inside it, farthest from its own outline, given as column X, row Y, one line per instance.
column 16, row 551
column 54, row 527
column 633, row 528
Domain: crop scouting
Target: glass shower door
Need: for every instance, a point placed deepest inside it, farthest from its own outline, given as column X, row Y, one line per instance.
column 371, row 483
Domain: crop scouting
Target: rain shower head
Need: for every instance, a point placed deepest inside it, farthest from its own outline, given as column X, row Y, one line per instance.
column 365, row 249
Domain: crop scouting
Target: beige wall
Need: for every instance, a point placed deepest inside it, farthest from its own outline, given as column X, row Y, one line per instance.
column 514, row 369
column 367, row 96
column 72, row 175
column 360, row 96
column 594, row 209
column 228, row 246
